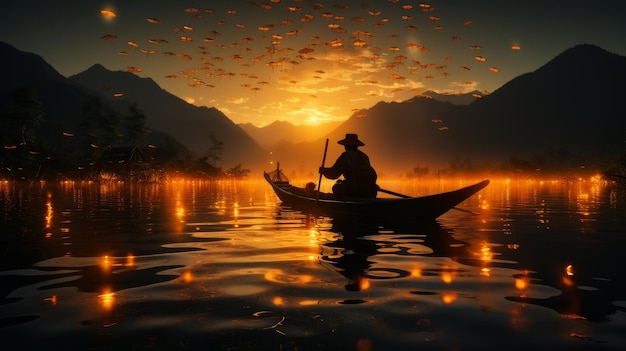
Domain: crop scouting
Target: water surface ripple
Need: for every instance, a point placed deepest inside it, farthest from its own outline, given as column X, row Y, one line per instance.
column 222, row 265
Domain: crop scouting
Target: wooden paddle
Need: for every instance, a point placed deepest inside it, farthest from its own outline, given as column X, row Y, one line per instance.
column 393, row 193
column 408, row 197
column 319, row 182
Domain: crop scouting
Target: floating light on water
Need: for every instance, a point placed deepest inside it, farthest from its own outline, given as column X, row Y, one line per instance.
column 278, row 301
column 107, row 299
column 447, row 277
column 187, row 277
column 569, row 272
column 448, row 297
column 52, row 300
column 130, row 261
column 416, row 272
column 106, row 264
column 521, row 283
column 48, row 217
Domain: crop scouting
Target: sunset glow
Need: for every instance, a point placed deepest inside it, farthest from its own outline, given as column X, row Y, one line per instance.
column 280, row 60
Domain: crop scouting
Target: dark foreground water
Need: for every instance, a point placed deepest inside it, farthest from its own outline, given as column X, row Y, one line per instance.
column 220, row 266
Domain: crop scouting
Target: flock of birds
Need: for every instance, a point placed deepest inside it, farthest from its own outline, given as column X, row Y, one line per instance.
column 297, row 35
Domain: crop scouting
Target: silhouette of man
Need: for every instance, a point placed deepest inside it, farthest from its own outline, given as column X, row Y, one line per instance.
column 359, row 176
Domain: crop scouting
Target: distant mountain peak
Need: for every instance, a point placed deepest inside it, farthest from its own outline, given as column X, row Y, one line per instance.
column 25, row 67
column 96, row 67
column 579, row 57
column 97, row 74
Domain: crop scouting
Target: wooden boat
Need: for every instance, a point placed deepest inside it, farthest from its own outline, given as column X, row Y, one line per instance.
column 413, row 208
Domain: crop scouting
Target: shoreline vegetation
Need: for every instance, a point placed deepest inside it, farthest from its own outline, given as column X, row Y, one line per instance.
column 108, row 145
column 133, row 163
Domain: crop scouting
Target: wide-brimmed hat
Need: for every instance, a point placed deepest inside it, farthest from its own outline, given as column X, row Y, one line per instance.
column 351, row 139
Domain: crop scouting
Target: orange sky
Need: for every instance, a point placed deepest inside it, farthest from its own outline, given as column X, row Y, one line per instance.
column 310, row 61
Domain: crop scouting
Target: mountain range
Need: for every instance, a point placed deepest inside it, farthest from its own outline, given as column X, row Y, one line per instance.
column 572, row 103
column 570, row 107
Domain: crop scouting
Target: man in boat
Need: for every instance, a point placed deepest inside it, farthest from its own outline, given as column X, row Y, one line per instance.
column 359, row 176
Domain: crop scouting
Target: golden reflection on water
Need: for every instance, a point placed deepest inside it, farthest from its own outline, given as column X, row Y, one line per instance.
column 52, row 300
column 447, row 276
column 449, row 297
column 130, row 261
column 521, row 283
column 187, row 277
column 281, row 255
column 107, row 299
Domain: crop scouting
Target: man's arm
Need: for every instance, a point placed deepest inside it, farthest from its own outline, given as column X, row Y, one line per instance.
column 336, row 170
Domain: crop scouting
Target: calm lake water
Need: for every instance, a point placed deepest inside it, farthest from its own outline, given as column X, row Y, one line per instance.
column 524, row 264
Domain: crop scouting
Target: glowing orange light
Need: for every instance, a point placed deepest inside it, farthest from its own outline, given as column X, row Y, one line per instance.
column 364, row 284
column 521, row 283
column 49, row 214
column 485, row 253
column 106, row 264
column 52, row 300
column 108, row 13
column 278, row 301
column 108, row 37
column 305, row 278
column 107, row 299
column 187, row 277
column 364, row 345
column 448, row 297
column 359, row 43
column 447, row 277
column 130, row 261
column 483, row 203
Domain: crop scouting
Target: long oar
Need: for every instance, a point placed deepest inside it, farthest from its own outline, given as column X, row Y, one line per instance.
column 393, row 193
column 408, row 197
column 319, row 182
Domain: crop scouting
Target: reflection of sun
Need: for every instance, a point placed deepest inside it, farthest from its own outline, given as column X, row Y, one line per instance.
column 313, row 120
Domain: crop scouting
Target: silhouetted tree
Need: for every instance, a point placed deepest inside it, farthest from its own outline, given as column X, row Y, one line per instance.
column 98, row 127
column 418, row 172
column 237, row 172
column 17, row 134
column 516, row 164
column 135, row 127
column 461, row 165
column 214, row 154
